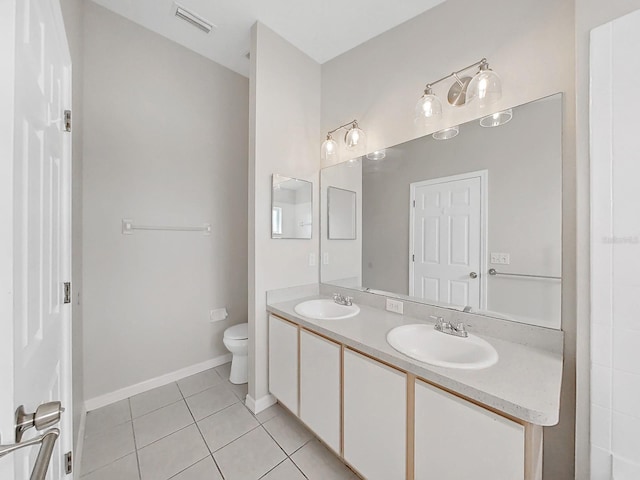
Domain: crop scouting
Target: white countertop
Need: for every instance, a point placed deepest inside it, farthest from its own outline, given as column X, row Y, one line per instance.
column 525, row 383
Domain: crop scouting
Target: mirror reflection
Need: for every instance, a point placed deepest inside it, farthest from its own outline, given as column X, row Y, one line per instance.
column 291, row 208
column 473, row 222
column 342, row 214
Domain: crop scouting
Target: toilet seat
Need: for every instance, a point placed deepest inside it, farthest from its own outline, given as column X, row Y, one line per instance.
column 237, row 332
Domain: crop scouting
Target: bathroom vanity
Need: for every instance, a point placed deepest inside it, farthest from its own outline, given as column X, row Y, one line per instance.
column 388, row 416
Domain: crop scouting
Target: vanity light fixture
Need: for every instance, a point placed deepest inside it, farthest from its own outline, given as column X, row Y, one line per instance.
column 484, row 88
column 496, row 119
column 355, row 140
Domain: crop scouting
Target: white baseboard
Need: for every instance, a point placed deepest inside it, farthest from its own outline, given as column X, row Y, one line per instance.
column 126, row 392
column 257, row 406
column 77, row 451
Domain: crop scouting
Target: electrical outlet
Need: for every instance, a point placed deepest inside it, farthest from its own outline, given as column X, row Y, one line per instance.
column 395, row 306
column 500, row 258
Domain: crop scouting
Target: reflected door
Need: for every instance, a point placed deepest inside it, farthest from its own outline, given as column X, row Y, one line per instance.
column 446, row 240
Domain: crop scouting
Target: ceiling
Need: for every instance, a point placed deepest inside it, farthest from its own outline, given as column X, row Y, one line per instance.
column 322, row 29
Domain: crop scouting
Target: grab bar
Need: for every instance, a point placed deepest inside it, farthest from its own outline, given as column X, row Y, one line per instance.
column 493, row 271
column 48, row 441
column 128, row 227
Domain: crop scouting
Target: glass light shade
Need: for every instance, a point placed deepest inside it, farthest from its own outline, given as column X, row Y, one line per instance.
column 497, row 119
column 329, row 149
column 377, row 155
column 428, row 108
column 485, row 88
column 356, row 140
column 447, row 133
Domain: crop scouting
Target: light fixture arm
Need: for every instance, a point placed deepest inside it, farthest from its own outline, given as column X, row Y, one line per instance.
column 483, row 64
column 353, row 123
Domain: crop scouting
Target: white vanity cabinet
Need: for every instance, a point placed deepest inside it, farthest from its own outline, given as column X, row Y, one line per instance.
column 458, row 440
column 283, row 362
column 375, row 418
column 320, row 395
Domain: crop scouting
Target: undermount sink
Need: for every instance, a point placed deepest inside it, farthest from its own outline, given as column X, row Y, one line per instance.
column 326, row 309
column 423, row 343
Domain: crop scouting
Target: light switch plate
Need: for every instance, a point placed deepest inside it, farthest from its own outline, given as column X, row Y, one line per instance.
column 395, row 306
column 312, row 259
column 500, row 258
column 325, row 258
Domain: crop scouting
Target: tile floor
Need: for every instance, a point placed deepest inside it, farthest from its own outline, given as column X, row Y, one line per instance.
column 199, row 429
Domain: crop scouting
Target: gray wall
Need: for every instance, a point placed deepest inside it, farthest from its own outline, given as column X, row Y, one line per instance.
column 524, row 163
column 73, row 13
column 165, row 142
column 531, row 44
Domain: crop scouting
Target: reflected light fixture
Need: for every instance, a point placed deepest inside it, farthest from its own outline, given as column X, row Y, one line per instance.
column 484, row 89
column 447, row 133
column 355, row 140
column 496, row 119
column 377, row 155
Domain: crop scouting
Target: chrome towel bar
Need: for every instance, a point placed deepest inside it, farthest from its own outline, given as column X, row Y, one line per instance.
column 128, row 227
column 494, row 272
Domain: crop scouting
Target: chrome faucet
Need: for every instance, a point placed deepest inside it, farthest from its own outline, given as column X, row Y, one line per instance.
column 342, row 300
column 443, row 326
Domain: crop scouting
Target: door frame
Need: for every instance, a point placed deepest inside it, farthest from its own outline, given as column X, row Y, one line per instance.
column 7, row 101
column 483, row 175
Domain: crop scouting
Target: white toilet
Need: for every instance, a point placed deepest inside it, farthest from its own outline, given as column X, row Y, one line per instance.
column 236, row 339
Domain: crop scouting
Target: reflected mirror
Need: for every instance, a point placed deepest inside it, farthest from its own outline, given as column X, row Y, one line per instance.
column 342, row 214
column 291, row 208
column 473, row 222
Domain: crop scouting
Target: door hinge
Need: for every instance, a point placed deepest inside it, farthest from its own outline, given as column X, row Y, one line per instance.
column 67, row 120
column 414, row 204
column 67, row 292
column 68, row 462
column 413, row 258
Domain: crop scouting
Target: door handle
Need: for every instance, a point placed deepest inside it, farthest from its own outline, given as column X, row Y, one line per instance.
column 46, row 415
column 48, row 441
column 473, row 275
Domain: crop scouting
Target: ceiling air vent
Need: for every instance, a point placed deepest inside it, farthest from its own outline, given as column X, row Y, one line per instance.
column 194, row 19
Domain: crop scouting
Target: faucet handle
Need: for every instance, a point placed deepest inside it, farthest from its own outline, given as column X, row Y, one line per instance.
column 440, row 323
column 462, row 330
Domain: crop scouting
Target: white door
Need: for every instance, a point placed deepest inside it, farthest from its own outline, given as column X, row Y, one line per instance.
column 447, row 239
column 35, row 224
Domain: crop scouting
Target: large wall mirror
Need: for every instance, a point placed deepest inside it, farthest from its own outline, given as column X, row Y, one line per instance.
column 291, row 207
column 473, row 222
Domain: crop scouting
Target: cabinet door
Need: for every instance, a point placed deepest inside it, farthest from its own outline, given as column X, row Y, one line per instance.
column 283, row 362
column 458, row 440
column 375, row 418
column 320, row 387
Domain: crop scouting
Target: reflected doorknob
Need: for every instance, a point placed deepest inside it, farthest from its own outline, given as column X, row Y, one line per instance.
column 473, row 275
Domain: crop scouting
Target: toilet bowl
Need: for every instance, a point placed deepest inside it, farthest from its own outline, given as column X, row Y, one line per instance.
column 236, row 339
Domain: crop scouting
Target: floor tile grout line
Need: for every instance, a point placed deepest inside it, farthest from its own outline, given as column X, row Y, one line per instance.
column 272, row 469
column 216, row 412
column 202, row 436
column 273, row 438
column 135, row 443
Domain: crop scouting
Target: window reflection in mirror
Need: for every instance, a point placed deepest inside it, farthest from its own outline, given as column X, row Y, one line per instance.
column 291, row 208
column 485, row 230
